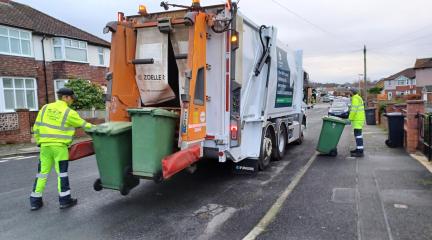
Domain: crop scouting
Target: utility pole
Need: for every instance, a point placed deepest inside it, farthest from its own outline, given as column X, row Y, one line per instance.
column 364, row 74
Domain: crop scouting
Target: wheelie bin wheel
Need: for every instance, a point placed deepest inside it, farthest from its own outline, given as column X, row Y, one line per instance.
column 124, row 190
column 333, row 153
column 97, row 185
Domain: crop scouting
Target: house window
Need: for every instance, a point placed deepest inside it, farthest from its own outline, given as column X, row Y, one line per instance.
column 59, row 83
column 101, row 56
column 401, row 82
column 15, row 42
column 70, row 50
column 18, row 93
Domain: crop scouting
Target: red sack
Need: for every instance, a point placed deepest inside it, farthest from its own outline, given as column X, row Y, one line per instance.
column 81, row 150
column 180, row 160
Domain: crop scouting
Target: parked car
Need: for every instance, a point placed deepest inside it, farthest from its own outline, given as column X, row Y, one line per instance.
column 326, row 99
column 339, row 109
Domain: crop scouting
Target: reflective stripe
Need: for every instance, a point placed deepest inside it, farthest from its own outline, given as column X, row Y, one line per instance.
column 361, row 136
column 65, row 117
column 54, row 127
column 43, row 112
column 63, row 174
column 360, row 147
column 40, row 175
column 64, row 194
column 56, row 136
column 35, row 194
column 84, row 124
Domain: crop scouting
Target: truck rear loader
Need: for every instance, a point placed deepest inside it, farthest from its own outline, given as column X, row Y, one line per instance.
column 236, row 89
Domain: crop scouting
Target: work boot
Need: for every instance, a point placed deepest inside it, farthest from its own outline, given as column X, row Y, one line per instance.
column 357, row 154
column 353, row 151
column 36, row 206
column 69, row 204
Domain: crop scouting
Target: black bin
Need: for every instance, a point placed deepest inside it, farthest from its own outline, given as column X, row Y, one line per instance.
column 370, row 116
column 395, row 130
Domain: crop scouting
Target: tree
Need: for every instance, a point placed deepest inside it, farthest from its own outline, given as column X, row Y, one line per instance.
column 89, row 95
column 375, row 90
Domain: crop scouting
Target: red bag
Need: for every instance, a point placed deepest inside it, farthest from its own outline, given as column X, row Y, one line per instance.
column 179, row 161
column 81, row 150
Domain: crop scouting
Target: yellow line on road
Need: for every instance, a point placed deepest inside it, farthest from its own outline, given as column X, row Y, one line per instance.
column 277, row 206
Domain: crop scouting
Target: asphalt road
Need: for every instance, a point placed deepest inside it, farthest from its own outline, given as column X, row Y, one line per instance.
column 212, row 203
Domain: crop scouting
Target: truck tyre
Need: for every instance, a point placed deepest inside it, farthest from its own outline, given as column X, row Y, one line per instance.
column 282, row 141
column 266, row 147
column 299, row 141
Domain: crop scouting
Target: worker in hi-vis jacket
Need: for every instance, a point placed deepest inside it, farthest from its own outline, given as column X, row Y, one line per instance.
column 357, row 118
column 53, row 131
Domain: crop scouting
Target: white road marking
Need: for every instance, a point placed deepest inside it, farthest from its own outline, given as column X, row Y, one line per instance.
column 277, row 206
column 23, row 157
column 217, row 214
column 8, row 158
column 2, row 161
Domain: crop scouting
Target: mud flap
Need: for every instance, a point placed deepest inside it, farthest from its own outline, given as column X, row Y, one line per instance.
column 246, row 166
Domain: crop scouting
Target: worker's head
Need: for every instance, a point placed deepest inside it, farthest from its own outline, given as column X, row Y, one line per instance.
column 354, row 91
column 67, row 95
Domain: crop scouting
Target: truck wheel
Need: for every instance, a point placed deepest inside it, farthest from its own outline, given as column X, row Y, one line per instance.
column 300, row 140
column 97, row 185
column 266, row 148
column 282, row 140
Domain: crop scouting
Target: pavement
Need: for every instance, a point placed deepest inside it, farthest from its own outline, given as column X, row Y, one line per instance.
column 386, row 195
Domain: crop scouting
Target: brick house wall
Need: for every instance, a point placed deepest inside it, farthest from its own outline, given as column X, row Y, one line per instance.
column 29, row 67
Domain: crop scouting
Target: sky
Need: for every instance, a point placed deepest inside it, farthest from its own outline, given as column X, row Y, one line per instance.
column 331, row 33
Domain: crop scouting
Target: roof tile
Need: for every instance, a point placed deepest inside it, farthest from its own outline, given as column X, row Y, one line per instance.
column 22, row 16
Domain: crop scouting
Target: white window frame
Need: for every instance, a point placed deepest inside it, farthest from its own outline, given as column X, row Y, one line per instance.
column 20, row 39
column 99, row 54
column 2, row 95
column 63, row 49
column 55, row 85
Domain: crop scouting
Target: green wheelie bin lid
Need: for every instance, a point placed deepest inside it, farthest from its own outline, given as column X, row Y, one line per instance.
column 335, row 119
column 153, row 111
column 110, row 128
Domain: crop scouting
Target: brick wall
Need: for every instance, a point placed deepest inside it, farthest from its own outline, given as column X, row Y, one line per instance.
column 411, row 124
column 68, row 70
column 23, row 133
column 28, row 67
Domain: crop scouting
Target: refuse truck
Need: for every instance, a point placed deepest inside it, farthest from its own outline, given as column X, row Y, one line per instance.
column 227, row 88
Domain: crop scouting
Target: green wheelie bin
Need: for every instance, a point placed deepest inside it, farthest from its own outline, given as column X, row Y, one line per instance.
column 331, row 132
column 112, row 142
column 153, row 131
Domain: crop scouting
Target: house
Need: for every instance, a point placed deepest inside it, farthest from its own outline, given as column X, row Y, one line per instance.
column 38, row 54
column 423, row 69
column 401, row 83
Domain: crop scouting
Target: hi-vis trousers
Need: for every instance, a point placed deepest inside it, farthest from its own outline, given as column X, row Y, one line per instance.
column 58, row 156
column 359, row 139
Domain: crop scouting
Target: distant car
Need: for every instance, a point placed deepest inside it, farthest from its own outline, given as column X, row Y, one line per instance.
column 326, row 99
column 339, row 109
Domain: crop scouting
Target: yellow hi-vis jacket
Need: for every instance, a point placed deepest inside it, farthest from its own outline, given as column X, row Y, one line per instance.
column 357, row 114
column 55, row 124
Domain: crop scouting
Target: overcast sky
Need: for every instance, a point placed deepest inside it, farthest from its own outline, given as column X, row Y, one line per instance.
column 331, row 33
